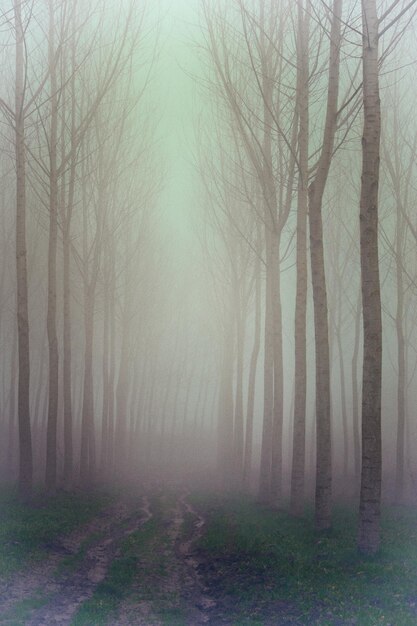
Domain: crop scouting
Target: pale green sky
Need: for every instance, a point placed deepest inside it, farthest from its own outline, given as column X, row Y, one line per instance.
column 179, row 105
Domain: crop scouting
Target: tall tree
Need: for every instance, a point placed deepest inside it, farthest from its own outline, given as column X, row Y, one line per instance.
column 51, row 444
column 370, row 493
column 25, row 439
column 300, row 380
column 323, row 496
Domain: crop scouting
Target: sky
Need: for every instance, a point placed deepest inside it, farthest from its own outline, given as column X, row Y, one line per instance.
column 179, row 103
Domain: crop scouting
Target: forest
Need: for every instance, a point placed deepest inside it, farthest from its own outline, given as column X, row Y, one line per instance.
column 208, row 319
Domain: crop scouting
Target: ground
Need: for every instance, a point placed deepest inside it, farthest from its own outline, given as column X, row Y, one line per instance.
column 175, row 557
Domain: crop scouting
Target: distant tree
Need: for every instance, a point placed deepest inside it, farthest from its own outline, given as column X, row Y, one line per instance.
column 300, row 331
column 17, row 117
column 323, row 497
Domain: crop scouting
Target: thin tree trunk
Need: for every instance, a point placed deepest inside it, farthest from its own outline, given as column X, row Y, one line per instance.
column 225, row 412
column 112, row 366
column 247, row 469
column 105, row 372
column 399, row 320
column 25, row 437
column 121, row 422
column 323, row 496
column 355, row 394
column 345, row 430
column 87, row 426
column 66, row 244
column 266, row 445
column 300, row 342
column 277, row 429
column 370, row 495
column 238, row 420
column 11, row 447
column 51, row 437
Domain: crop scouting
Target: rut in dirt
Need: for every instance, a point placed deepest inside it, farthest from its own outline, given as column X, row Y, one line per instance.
column 204, row 602
column 67, row 590
column 179, row 586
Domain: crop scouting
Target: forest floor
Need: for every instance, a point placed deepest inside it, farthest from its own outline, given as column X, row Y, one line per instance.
column 171, row 557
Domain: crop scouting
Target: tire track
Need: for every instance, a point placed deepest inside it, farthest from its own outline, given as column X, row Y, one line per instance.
column 71, row 588
column 200, row 596
column 35, row 578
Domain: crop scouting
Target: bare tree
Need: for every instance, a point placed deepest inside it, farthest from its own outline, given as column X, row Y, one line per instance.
column 25, row 441
column 316, row 192
column 370, row 498
column 300, row 377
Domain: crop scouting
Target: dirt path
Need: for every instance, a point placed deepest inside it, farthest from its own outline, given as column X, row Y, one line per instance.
column 202, row 600
column 166, row 589
column 68, row 588
column 177, row 594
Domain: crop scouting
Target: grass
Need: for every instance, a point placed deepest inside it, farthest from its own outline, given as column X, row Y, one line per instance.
column 263, row 563
column 26, row 530
column 261, row 566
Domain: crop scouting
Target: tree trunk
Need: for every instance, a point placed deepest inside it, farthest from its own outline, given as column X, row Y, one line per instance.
column 51, row 437
column 66, row 244
column 247, row 468
column 225, row 413
column 278, row 375
column 121, row 422
column 267, row 425
column 370, row 495
column 112, row 366
column 345, row 429
column 87, row 425
column 104, row 457
column 399, row 320
column 355, row 394
column 323, row 497
column 11, row 443
column 300, row 342
column 25, row 437
column 238, row 420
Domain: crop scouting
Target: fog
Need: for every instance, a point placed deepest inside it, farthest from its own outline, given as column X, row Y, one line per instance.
column 159, row 172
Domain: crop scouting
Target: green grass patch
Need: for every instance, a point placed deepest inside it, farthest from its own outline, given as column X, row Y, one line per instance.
column 262, row 562
column 28, row 529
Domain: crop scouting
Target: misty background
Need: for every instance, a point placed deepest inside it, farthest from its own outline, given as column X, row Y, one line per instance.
column 159, row 321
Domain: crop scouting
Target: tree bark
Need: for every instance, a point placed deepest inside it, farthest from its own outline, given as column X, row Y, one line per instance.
column 300, row 339
column 370, row 494
column 267, row 424
column 25, row 437
column 278, row 374
column 323, row 496
column 87, row 458
column 238, row 441
column 225, row 411
column 66, row 245
column 51, row 437
column 355, row 394
column 247, row 467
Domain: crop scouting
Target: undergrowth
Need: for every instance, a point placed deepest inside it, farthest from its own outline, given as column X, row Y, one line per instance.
column 28, row 529
column 264, row 565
